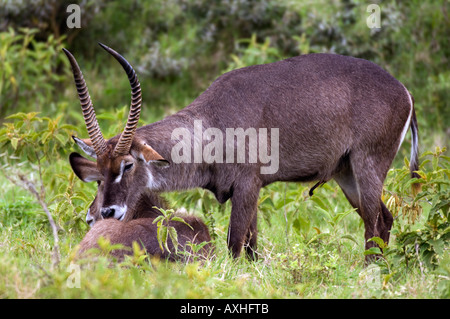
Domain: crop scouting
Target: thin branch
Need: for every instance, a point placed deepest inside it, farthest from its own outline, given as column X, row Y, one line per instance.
column 285, row 216
column 40, row 175
column 416, row 246
column 29, row 186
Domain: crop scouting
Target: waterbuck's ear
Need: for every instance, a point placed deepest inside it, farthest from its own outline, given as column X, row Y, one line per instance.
column 86, row 146
column 145, row 152
column 85, row 169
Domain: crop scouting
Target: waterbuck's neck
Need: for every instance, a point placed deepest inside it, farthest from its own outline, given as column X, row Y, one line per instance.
column 162, row 136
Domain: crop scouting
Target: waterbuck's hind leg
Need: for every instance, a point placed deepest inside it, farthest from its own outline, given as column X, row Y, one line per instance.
column 362, row 185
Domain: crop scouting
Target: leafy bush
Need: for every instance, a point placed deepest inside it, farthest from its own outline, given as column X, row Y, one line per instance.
column 224, row 22
column 28, row 74
column 253, row 53
column 32, row 159
column 425, row 236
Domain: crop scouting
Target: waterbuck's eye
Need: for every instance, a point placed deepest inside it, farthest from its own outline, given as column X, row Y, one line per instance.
column 127, row 167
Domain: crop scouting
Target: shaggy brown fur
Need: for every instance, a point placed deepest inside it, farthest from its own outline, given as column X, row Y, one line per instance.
column 338, row 117
column 143, row 232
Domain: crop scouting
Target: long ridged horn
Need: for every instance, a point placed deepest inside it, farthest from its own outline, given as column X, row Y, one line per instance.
column 92, row 126
column 126, row 138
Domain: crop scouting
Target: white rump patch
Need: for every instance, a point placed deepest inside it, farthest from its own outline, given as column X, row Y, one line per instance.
column 408, row 122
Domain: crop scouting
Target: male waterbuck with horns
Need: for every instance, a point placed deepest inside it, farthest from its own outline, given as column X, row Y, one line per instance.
column 330, row 117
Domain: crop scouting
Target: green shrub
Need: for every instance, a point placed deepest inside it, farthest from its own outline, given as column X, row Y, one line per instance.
column 422, row 230
column 28, row 72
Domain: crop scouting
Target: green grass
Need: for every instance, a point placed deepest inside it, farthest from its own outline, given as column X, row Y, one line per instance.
column 309, row 247
column 326, row 261
column 317, row 250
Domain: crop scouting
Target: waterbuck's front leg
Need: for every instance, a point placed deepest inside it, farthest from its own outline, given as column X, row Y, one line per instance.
column 251, row 240
column 243, row 218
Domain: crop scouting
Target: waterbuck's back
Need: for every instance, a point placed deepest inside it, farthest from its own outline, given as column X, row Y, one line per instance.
column 324, row 105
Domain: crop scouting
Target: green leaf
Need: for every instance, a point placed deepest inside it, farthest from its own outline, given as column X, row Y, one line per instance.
column 266, row 200
column 325, row 213
column 321, row 204
column 302, row 223
column 380, row 242
column 174, row 237
column 372, row 251
column 166, row 238
column 435, row 161
column 161, row 235
column 340, row 216
column 438, row 245
column 157, row 219
column 181, row 220
column 17, row 116
column 69, row 127
column 350, row 237
column 14, row 142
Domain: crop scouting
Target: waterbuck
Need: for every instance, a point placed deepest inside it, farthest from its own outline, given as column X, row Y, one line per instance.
column 332, row 117
column 140, row 228
column 144, row 203
column 144, row 232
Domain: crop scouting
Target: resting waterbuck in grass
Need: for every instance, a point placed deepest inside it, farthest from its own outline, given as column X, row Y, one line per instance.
column 330, row 117
column 143, row 231
column 140, row 227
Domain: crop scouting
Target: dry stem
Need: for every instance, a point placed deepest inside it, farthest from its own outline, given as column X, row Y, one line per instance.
column 28, row 185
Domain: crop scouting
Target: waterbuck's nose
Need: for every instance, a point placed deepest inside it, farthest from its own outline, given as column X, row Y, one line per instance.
column 107, row 212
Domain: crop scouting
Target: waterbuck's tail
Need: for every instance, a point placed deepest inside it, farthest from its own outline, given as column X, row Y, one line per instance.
column 414, row 161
